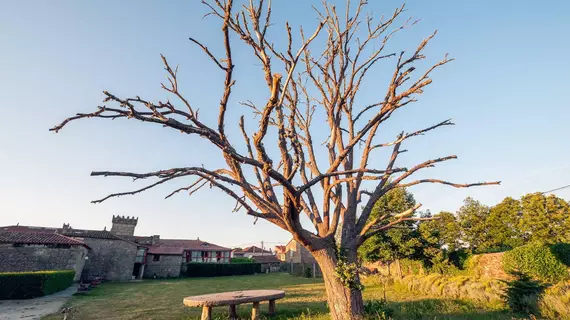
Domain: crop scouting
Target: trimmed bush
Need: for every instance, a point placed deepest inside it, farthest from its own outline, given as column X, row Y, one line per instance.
column 26, row 285
column 242, row 260
column 537, row 261
column 221, row 269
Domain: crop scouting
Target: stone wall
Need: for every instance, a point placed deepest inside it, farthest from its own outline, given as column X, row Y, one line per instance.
column 123, row 229
column 489, row 265
column 112, row 259
column 167, row 267
column 39, row 257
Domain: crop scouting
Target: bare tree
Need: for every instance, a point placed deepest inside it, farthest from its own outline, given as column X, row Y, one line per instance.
column 330, row 191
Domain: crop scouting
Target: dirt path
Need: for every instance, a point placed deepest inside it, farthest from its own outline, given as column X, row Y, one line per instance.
column 32, row 309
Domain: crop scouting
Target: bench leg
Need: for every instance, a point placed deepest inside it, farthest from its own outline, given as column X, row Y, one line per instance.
column 255, row 311
column 271, row 307
column 206, row 313
column 232, row 312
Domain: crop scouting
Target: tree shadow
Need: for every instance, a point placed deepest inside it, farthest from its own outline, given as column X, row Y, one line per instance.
column 432, row 309
column 439, row 309
column 523, row 294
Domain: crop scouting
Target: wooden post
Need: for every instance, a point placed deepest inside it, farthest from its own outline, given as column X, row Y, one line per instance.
column 314, row 270
column 271, row 307
column 232, row 312
column 206, row 313
column 255, row 311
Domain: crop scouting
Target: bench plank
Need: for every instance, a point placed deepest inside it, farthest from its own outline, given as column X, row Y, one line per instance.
column 233, row 298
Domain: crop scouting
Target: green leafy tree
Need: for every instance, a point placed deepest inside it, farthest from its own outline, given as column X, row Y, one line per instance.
column 443, row 232
column 472, row 218
column 396, row 243
column 544, row 218
column 503, row 226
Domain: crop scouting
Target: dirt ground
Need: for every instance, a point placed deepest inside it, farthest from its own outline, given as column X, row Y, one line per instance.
column 32, row 309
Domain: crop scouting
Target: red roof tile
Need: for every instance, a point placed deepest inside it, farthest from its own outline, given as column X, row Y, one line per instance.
column 29, row 229
column 165, row 250
column 253, row 249
column 191, row 245
column 75, row 233
column 37, row 238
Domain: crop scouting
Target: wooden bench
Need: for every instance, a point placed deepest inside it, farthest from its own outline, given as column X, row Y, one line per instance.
column 231, row 299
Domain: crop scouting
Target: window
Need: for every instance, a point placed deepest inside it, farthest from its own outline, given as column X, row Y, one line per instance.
column 196, row 256
column 141, row 255
column 156, row 257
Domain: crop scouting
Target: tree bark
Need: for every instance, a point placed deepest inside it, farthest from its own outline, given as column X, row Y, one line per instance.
column 344, row 303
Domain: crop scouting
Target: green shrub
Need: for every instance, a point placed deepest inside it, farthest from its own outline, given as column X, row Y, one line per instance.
column 537, row 261
column 562, row 252
column 221, row 269
column 242, row 260
column 410, row 266
column 26, row 285
column 378, row 310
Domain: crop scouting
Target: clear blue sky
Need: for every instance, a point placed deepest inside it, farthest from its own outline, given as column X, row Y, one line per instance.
column 506, row 91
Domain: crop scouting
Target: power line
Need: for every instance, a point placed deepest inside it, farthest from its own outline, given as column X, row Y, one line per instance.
column 564, row 187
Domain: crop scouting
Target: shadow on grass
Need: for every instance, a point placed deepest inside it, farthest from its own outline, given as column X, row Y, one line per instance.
column 432, row 309
column 444, row 309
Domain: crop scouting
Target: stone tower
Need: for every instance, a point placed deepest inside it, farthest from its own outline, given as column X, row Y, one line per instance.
column 124, row 226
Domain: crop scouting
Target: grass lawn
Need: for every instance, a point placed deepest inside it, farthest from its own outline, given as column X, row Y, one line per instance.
column 162, row 299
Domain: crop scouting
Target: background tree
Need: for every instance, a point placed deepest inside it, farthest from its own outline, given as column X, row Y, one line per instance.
column 544, row 218
column 444, row 232
column 396, row 243
column 503, row 226
column 472, row 218
column 280, row 172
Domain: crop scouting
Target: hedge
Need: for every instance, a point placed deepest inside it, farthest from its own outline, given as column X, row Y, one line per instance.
column 26, row 285
column 242, row 260
column 537, row 261
column 220, row 269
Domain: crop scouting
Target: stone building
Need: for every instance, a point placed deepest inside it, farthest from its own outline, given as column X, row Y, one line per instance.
column 296, row 253
column 165, row 257
column 28, row 251
column 110, row 257
column 116, row 255
column 299, row 261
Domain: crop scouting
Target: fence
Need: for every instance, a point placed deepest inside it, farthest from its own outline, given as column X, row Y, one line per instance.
column 308, row 270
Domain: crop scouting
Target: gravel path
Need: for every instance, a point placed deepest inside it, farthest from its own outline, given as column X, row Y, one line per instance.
column 32, row 309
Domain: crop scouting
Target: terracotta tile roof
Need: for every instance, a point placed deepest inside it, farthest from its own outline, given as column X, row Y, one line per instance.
column 29, row 229
column 78, row 233
column 253, row 249
column 16, row 237
column 190, row 245
column 97, row 234
column 165, row 250
column 266, row 259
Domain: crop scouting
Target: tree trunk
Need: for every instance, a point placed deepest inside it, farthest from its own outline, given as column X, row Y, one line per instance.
column 344, row 303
